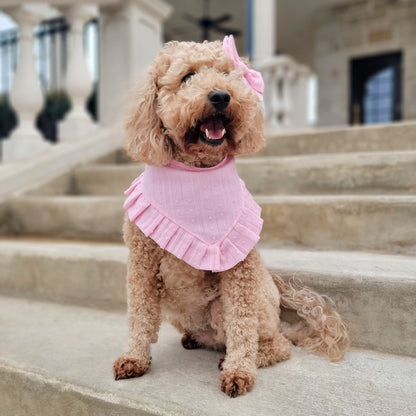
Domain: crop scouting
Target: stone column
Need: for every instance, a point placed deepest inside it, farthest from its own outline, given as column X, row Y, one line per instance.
column 78, row 84
column 130, row 37
column 301, row 97
column 264, row 23
column 26, row 94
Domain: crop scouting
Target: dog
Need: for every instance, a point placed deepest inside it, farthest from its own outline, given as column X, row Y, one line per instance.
column 198, row 108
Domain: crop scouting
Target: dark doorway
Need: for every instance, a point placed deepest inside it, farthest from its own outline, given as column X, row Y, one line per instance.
column 376, row 84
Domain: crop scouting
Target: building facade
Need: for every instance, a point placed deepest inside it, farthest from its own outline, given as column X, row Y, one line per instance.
column 365, row 59
column 362, row 54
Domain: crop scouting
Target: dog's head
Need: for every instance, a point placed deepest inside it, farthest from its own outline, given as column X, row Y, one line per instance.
column 194, row 106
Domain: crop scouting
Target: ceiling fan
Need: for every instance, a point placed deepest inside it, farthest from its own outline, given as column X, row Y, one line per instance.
column 206, row 23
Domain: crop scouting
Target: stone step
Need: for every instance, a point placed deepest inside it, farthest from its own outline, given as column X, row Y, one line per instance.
column 386, row 137
column 104, row 179
column 94, row 218
column 66, row 353
column 356, row 222
column 347, row 173
column 384, row 223
column 370, row 173
column 341, row 139
column 80, row 273
column 374, row 293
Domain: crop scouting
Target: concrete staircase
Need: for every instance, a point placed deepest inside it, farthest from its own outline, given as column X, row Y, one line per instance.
column 340, row 215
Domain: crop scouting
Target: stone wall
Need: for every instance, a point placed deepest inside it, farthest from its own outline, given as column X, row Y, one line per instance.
column 358, row 29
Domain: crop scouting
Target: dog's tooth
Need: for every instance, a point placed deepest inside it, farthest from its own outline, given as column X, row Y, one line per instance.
column 223, row 132
column 207, row 133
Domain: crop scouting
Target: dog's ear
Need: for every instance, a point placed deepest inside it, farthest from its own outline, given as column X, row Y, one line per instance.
column 253, row 140
column 146, row 139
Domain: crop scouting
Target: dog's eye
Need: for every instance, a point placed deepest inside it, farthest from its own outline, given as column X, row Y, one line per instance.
column 187, row 76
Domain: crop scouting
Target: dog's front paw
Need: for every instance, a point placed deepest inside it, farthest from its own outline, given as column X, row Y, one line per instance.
column 236, row 383
column 125, row 367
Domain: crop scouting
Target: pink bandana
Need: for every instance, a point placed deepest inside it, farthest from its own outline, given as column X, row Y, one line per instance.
column 205, row 217
column 252, row 78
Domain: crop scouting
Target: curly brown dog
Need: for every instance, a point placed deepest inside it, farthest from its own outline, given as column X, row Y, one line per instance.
column 237, row 310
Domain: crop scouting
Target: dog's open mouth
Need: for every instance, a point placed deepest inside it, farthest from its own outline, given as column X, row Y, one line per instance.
column 212, row 130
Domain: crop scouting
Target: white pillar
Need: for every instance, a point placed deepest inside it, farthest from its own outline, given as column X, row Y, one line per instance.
column 78, row 84
column 301, row 97
column 264, row 23
column 26, row 94
column 130, row 37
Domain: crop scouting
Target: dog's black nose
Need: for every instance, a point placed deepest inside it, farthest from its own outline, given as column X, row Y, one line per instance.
column 219, row 99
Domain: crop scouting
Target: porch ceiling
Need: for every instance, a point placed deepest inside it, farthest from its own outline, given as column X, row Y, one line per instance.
column 294, row 22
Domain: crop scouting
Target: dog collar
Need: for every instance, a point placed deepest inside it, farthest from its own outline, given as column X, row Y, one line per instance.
column 204, row 216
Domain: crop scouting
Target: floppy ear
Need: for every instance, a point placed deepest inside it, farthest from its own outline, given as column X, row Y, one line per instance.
column 146, row 139
column 253, row 140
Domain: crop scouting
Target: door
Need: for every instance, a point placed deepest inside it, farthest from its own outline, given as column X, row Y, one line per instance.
column 376, row 89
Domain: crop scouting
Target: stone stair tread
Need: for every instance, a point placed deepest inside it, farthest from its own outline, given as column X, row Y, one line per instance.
column 58, row 248
column 81, row 199
column 67, row 352
column 380, row 198
column 367, row 222
column 70, row 199
column 372, row 265
column 374, row 292
column 99, row 167
column 365, row 172
column 344, row 139
column 343, row 264
column 315, row 159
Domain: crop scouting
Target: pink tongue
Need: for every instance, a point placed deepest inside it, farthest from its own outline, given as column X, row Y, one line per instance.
column 214, row 127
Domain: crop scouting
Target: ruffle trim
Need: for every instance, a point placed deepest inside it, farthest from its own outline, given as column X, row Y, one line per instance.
column 223, row 255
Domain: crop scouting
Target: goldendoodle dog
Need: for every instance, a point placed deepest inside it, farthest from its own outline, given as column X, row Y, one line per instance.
column 192, row 226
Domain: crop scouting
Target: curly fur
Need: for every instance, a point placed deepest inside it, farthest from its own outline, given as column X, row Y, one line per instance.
column 165, row 109
column 321, row 329
column 237, row 310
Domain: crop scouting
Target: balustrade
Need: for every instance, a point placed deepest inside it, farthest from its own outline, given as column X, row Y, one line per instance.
column 26, row 94
column 286, row 93
column 132, row 34
column 121, row 23
column 78, row 83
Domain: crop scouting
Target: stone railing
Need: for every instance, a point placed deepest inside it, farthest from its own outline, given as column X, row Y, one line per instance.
column 286, row 96
column 123, row 54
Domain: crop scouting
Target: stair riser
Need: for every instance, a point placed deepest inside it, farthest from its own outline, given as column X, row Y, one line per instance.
column 354, row 224
column 112, row 181
column 278, row 177
column 23, row 392
column 312, row 222
column 356, row 139
column 270, row 178
column 380, row 314
column 80, row 281
column 75, row 219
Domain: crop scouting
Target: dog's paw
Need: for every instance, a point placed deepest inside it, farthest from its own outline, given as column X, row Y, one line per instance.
column 189, row 343
column 236, row 383
column 129, row 367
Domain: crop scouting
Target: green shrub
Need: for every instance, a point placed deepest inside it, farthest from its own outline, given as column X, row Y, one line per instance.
column 8, row 118
column 55, row 107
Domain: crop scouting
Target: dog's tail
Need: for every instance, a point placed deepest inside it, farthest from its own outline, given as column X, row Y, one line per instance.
column 321, row 328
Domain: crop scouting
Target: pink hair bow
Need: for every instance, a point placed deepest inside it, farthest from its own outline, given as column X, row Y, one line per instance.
column 252, row 78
